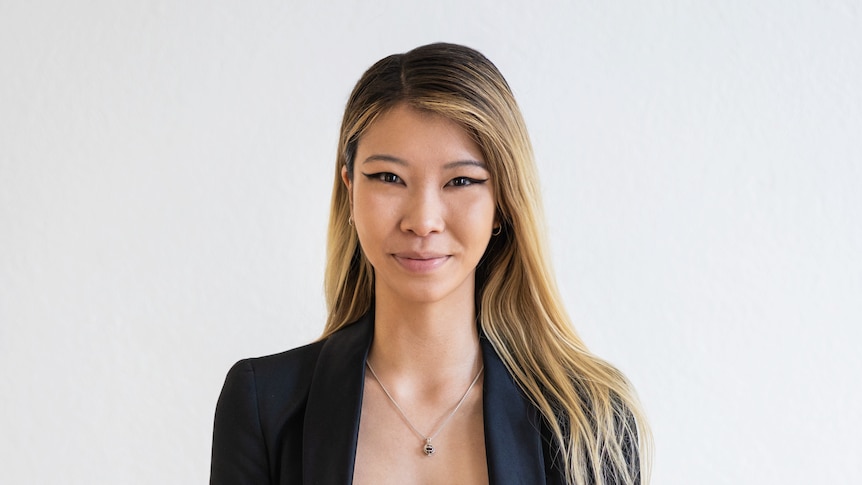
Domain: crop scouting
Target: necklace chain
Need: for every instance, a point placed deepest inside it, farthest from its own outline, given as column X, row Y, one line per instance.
column 427, row 448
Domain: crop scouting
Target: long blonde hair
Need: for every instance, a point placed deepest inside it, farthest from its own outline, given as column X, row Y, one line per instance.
column 598, row 428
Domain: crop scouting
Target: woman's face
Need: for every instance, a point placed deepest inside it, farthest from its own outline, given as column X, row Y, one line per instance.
column 423, row 205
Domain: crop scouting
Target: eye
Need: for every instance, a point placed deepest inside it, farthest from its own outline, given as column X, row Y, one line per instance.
column 386, row 177
column 464, row 181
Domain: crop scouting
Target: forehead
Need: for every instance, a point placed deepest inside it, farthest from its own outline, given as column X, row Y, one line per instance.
column 414, row 135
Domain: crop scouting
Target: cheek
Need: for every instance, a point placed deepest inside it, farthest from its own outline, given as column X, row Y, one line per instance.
column 484, row 207
column 476, row 217
column 481, row 217
column 372, row 215
column 373, row 205
column 363, row 204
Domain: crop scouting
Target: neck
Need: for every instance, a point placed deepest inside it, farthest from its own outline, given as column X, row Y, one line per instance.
column 437, row 341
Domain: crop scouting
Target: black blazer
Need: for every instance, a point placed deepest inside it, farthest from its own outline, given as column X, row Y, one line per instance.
column 293, row 418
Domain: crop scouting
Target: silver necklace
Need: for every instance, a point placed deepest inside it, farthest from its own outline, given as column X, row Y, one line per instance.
column 427, row 448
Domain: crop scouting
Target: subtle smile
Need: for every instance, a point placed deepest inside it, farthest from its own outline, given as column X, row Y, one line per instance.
column 420, row 263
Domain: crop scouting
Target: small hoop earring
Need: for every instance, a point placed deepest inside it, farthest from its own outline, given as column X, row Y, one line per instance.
column 350, row 221
column 497, row 230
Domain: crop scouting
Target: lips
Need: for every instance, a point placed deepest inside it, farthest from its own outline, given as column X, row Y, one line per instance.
column 420, row 262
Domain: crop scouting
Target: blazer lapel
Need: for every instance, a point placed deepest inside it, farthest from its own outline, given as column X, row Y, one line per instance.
column 331, row 426
column 513, row 444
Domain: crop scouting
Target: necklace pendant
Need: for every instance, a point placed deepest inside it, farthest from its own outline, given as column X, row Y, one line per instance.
column 428, row 448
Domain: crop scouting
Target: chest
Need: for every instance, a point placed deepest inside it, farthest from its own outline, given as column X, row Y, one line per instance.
column 390, row 451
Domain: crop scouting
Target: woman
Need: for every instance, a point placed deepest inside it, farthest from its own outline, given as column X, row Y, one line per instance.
column 447, row 356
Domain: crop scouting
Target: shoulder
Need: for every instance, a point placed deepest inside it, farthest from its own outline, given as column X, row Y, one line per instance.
column 277, row 377
column 285, row 378
column 262, row 398
column 265, row 404
column 297, row 366
column 284, row 365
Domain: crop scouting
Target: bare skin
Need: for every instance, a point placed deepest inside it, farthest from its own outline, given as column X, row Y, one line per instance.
column 424, row 211
column 389, row 452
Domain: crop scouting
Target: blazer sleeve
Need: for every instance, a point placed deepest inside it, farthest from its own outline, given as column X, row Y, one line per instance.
column 239, row 453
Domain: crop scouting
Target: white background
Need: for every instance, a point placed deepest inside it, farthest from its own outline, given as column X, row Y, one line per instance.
column 165, row 169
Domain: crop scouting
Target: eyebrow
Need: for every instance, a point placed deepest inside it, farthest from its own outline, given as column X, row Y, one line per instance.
column 466, row 163
column 384, row 158
column 399, row 161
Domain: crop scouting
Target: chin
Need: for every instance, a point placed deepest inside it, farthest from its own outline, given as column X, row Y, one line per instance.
column 425, row 292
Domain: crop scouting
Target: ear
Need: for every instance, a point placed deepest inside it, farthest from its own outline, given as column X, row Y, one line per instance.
column 349, row 184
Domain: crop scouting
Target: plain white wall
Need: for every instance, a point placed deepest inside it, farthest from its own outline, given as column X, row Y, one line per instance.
column 165, row 170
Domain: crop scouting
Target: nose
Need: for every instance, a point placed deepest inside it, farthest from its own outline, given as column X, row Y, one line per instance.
column 424, row 212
